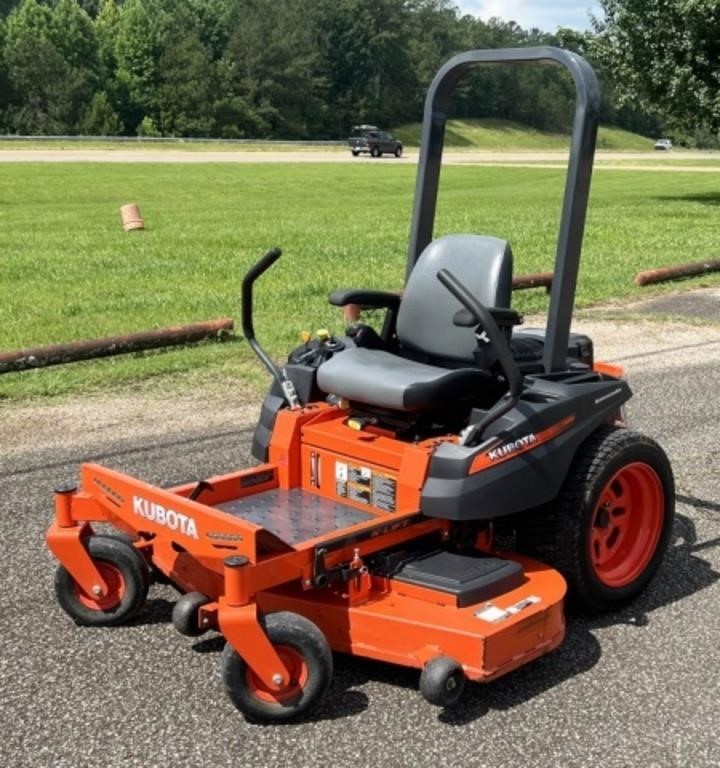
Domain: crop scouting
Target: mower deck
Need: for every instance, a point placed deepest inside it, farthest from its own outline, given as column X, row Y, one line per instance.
column 406, row 624
column 310, row 532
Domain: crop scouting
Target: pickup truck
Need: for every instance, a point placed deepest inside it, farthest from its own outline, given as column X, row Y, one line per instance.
column 370, row 139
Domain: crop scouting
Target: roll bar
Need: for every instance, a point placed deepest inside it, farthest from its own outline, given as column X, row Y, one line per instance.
column 577, row 184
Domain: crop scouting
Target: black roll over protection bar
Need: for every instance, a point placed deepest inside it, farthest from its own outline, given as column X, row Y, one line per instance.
column 577, row 184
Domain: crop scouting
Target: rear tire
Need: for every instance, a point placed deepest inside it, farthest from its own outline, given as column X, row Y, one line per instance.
column 375, row 152
column 304, row 650
column 125, row 574
column 398, row 151
column 608, row 529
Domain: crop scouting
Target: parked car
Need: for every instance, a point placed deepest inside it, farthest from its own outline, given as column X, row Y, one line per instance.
column 663, row 144
column 370, row 139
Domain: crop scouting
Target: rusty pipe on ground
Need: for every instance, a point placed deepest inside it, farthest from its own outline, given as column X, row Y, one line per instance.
column 538, row 280
column 674, row 273
column 57, row 354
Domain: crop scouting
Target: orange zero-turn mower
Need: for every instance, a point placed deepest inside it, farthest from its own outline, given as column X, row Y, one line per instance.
column 389, row 463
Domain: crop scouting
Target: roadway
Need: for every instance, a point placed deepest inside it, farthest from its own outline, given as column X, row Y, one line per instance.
column 636, row 688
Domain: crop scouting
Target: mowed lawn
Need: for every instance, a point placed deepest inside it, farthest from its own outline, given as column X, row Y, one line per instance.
column 69, row 272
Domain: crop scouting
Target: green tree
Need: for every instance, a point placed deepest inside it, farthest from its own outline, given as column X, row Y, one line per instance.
column 366, row 60
column 186, row 82
column 73, row 34
column 91, row 7
column 6, row 6
column 271, row 66
column 538, row 96
column 100, row 119
column 140, row 36
column 5, row 90
column 212, row 20
column 436, row 33
column 107, row 27
column 664, row 56
column 50, row 59
column 147, row 128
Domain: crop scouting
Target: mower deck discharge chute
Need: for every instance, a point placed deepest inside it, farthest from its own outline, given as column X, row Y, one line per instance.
column 388, row 462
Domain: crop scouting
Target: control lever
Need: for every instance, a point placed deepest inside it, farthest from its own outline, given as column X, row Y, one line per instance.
column 287, row 387
column 507, row 363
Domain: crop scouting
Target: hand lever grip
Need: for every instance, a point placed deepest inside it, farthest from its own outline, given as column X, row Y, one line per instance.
column 484, row 318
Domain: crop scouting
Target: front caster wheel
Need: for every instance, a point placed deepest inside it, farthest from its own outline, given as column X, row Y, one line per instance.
column 306, row 654
column 442, row 681
column 186, row 614
column 125, row 574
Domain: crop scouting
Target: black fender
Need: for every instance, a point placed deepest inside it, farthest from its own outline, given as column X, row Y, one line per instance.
column 525, row 462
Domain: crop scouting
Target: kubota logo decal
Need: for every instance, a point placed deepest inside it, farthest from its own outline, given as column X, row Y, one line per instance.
column 520, row 445
column 517, row 445
column 175, row 521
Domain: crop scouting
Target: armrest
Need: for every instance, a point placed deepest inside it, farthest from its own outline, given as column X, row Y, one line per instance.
column 502, row 316
column 365, row 298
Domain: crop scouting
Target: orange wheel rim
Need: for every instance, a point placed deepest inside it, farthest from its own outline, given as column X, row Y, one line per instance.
column 626, row 525
column 297, row 667
column 116, row 589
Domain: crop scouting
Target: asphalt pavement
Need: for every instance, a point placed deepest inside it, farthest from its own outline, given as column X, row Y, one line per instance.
column 636, row 688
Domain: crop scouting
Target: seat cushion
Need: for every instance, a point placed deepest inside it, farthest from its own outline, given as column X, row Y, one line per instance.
column 384, row 380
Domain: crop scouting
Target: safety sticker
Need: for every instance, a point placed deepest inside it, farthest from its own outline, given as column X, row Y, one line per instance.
column 361, row 484
column 383, row 492
column 522, row 604
column 341, row 476
column 492, row 614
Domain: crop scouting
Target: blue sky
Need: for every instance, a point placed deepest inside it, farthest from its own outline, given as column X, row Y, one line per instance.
column 547, row 16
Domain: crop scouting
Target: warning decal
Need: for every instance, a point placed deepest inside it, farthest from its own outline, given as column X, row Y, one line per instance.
column 383, row 492
column 361, row 484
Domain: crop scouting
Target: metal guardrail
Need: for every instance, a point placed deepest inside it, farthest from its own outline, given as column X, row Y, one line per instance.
column 176, row 140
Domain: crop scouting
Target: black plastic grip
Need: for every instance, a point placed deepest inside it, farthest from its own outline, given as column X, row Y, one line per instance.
column 507, row 362
column 484, row 318
column 504, row 317
column 251, row 276
column 247, row 310
column 365, row 298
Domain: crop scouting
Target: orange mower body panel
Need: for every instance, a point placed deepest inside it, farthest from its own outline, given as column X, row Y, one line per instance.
column 215, row 544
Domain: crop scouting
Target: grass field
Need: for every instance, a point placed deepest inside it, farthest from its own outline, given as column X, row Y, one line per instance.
column 506, row 135
column 69, row 271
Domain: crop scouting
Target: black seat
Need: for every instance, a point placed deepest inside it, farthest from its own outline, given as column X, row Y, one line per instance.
column 435, row 365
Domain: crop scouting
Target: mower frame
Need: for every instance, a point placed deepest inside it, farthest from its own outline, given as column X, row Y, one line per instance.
column 312, row 550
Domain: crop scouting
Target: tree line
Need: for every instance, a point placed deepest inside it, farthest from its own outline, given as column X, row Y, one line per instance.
column 268, row 69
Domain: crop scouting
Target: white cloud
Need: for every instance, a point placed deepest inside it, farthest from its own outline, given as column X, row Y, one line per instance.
column 547, row 16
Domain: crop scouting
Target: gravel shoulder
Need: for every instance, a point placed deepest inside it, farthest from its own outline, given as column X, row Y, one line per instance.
column 84, row 424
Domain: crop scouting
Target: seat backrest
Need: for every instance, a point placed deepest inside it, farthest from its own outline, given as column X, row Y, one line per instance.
column 425, row 320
